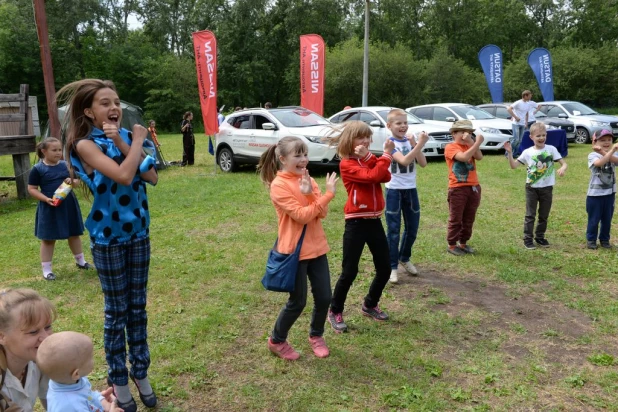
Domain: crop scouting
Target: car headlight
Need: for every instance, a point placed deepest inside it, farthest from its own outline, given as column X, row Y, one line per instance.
column 315, row 139
column 599, row 124
column 551, row 127
column 490, row 130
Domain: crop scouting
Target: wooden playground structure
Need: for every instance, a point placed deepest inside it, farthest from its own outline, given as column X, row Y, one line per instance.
column 21, row 144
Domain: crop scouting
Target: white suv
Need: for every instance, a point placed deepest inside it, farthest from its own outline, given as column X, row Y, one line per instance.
column 246, row 134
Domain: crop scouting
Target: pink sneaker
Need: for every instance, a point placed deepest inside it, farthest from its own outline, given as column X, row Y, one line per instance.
column 319, row 346
column 283, row 350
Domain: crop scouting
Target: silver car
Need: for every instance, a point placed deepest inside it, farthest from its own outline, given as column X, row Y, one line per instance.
column 495, row 131
column 500, row 111
column 375, row 116
column 587, row 121
column 246, row 134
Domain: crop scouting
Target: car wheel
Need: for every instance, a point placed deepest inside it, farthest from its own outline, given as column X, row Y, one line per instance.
column 582, row 136
column 225, row 158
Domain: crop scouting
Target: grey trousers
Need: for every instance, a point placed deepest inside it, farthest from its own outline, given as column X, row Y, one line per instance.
column 541, row 197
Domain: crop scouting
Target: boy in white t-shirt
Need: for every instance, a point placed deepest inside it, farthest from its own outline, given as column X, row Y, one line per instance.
column 601, row 194
column 540, row 181
column 401, row 194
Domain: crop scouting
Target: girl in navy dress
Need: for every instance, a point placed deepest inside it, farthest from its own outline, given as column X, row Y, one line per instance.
column 114, row 165
column 55, row 222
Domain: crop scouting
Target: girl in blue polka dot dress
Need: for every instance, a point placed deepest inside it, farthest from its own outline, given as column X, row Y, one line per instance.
column 55, row 222
column 115, row 166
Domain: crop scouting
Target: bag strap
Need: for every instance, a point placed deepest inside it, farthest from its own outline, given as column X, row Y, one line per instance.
column 300, row 241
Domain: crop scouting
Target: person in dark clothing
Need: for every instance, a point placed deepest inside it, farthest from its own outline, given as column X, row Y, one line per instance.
column 188, row 140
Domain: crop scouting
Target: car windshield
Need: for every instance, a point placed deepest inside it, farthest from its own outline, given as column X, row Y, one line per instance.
column 578, row 107
column 539, row 114
column 298, row 117
column 471, row 112
column 411, row 118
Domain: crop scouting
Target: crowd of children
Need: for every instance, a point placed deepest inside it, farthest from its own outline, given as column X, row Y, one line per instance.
column 110, row 162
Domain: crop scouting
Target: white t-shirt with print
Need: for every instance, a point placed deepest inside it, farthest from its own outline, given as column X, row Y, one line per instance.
column 402, row 177
column 540, row 164
column 520, row 108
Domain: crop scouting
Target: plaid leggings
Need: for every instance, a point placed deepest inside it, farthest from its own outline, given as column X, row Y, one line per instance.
column 123, row 272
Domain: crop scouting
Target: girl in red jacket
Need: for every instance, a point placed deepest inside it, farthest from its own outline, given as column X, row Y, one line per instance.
column 362, row 174
column 299, row 202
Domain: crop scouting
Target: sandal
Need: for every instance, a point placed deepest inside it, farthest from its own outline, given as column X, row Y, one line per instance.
column 49, row 276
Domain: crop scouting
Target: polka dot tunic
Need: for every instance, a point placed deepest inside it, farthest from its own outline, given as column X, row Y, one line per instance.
column 119, row 213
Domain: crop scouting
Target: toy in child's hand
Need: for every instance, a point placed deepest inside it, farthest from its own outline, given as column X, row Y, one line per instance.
column 61, row 193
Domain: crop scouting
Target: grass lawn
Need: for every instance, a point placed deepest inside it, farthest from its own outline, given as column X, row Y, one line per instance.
column 506, row 329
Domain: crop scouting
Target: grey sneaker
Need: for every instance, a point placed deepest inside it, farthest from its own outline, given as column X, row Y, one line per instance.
column 336, row 321
column 467, row 249
column 457, row 251
column 374, row 313
column 605, row 244
column 591, row 244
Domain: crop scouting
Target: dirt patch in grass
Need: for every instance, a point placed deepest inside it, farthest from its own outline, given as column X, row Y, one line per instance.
column 526, row 323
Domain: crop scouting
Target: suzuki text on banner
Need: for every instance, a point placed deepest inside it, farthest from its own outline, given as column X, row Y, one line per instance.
column 205, row 48
column 490, row 58
column 312, row 73
column 540, row 63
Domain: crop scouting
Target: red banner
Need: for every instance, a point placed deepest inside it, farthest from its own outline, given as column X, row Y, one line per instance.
column 312, row 72
column 205, row 48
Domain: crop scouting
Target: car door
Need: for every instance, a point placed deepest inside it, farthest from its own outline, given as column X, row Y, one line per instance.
column 259, row 139
column 238, row 135
column 441, row 116
column 380, row 133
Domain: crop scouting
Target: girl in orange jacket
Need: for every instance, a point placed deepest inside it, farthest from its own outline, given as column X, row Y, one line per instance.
column 299, row 202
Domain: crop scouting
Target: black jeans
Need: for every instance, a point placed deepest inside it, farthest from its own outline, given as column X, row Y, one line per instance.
column 542, row 197
column 188, row 149
column 319, row 275
column 359, row 232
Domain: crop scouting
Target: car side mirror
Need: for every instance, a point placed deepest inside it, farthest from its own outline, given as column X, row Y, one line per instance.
column 563, row 116
column 269, row 126
column 375, row 123
column 450, row 119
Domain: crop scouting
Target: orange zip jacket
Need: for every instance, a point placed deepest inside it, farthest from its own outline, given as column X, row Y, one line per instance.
column 294, row 210
column 362, row 178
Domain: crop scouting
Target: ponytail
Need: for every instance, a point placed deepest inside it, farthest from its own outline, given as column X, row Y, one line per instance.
column 268, row 165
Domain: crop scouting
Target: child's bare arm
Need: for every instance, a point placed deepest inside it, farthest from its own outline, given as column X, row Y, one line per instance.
column 472, row 151
column 607, row 156
column 509, row 152
column 38, row 195
column 563, row 167
column 414, row 154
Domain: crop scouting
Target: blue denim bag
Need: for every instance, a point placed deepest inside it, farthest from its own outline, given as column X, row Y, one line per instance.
column 281, row 268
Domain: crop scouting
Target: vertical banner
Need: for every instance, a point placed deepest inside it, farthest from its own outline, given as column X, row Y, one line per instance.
column 540, row 62
column 205, row 48
column 490, row 58
column 312, row 72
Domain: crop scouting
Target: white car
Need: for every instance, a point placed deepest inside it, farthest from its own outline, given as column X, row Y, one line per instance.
column 375, row 116
column 495, row 131
column 246, row 134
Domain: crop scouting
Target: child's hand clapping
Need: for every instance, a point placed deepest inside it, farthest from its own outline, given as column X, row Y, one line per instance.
column 389, row 146
column 111, row 132
column 139, row 133
column 305, row 183
column 331, row 182
column 423, row 138
column 360, row 151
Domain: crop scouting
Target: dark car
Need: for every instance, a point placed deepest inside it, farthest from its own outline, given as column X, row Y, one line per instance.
column 500, row 111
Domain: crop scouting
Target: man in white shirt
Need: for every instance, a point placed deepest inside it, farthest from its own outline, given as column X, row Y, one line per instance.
column 519, row 112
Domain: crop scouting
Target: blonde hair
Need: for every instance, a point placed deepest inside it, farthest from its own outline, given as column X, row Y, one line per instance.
column 62, row 353
column 526, row 93
column 396, row 113
column 537, row 128
column 269, row 161
column 343, row 136
column 26, row 305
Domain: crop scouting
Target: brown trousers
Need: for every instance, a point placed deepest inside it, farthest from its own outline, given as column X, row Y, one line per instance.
column 462, row 205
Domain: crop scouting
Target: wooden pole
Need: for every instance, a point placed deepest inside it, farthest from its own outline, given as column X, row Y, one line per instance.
column 48, row 71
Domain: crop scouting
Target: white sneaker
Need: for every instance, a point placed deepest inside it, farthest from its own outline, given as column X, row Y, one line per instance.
column 394, row 278
column 409, row 267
